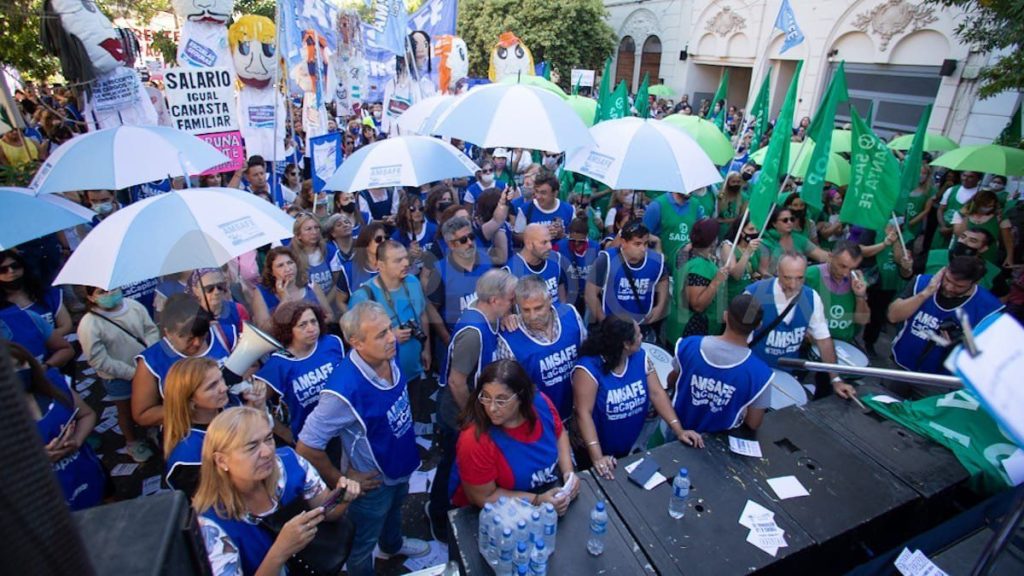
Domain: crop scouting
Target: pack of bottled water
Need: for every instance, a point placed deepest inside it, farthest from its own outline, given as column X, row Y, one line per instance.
column 517, row 538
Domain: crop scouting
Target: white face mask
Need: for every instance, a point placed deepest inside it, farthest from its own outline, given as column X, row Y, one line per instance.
column 550, row 162
column 996, row 186
column 486, row 179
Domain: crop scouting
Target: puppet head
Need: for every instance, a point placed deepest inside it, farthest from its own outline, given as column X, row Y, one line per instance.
column 253, row 50
column 509, row 58
column 208, row 11
column 81, row 27
column 454, row 62
column 313, row 70
column 418, row 49
column 350, row 33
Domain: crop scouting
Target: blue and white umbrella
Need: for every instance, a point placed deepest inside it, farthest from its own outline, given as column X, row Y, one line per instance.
column 421, row 117
column 401, row 161
column 174, row 232
column 640, row 154
column 116, row 158
column 514, row 116
column 26, row 216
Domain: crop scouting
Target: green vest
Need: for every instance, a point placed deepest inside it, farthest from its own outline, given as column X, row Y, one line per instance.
column 734, row 287
column 729, row 209
column 675, row 227
column 839, row 308
column 958, row 422
column 678, row 317
column 915, row 204
column 938, row 240
column 888, row 271
column 939, row 258
column 707, row 202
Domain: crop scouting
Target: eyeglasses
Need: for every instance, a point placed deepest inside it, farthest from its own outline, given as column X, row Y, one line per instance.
column 498, row 403
column 462, row 239
column 787, row 219
column 11, row 267
column 211, row 288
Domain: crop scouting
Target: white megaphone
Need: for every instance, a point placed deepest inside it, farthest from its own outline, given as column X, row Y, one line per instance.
column 252, row 345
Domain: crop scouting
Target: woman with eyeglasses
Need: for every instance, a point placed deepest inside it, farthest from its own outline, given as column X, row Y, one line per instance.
column 413, row 231
column 283, row 280
column 186, row 333
column 798, row 208
column 209, row 286
column 20, row 287
column 113, row 332
column 364, row 264
column 512, row 443
column 309, row 248
column 291, row 183
column 614, row 384
column 781, row 237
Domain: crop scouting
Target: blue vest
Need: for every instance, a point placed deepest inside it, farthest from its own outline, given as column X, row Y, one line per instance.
column 384, row 414
column 358, row 275
column 618, row 296
column 477, row 188
column 550, row 365
column 426, row 241
column 577, row 268
column 188, row 453
column 48, row 307
column 272, row 301
column 230, row 322
column 321, row 274
column 785, row 340
column 252, row 541
column 142, row 292
column 168, row 288
column 911, row 348
column 299, row 380
column 473, row 319
column 379, row 209
column 459, row 288
column 550, row 273
column 621, row 403
column 159, row 357
column 80, row 475
column 18, row 326
column 535, row 215
column 712, row 398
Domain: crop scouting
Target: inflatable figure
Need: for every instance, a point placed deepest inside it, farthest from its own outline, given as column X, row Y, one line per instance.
column 509, row 58
column 261, row 109
column 313, row 76
column 204, row 34
column 453, row 58
column 93, row 57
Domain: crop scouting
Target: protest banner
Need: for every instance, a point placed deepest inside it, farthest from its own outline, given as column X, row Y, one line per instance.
column 201, row 100
column 325, row 159
column 230, row 144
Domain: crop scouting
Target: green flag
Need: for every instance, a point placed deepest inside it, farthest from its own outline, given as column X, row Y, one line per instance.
column 870, row 118
column 875, row 179
column 759, row 111
column 642, row 103
column 910, row 174
column 766, row 189
column 618, row 103
column 576, row 86
column 604, row 91
column 1012, row 135
column 821, row 133
column 720, row 95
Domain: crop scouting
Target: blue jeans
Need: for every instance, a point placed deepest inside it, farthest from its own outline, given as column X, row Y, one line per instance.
column 377, row 517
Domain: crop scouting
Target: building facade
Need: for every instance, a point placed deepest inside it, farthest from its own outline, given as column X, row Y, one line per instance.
column 900, row 56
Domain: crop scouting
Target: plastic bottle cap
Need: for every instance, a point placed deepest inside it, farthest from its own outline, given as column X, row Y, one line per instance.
column 521, row 546
column 684, row 472
column 540, row 544
column 600, row 506
column 506, row 532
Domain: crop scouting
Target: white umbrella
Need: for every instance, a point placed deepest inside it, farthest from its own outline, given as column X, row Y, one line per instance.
column 421, row 117
column 173, row 232
column 116, row 158
column 514, row 116
column 644, row 155
column 401, row 161
column 26, row 216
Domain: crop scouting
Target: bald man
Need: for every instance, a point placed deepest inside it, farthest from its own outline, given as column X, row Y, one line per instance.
column 537, row 258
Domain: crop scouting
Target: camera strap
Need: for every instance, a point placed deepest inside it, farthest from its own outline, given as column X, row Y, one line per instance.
column 389, row 301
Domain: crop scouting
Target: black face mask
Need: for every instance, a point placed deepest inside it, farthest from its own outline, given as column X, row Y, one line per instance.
column 442, row 206
column 733, row 188
column 798, row 214
column 749, row 237
column 746, row 176
column 348, row 208
column 16, row 284
column 961, row 249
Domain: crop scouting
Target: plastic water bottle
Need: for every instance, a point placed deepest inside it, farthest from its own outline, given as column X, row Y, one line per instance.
column 506, row 546
column 549, row 519
column 539, row 560
column 493, row 536
column 523, row 570
column 680, row 492
column 536, row 527
column 484, row 532
column 521, row 534
column 598, row 528
column 521, row 557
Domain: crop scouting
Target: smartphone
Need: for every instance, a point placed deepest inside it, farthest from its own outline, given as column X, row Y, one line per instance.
column 333, row 501
column 67, row 426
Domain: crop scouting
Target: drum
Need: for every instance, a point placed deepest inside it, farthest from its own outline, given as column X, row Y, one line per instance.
column 846, row 354
column 786, row 391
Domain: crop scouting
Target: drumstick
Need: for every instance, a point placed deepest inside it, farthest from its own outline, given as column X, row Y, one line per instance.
column 859, row 403
column 786, row 394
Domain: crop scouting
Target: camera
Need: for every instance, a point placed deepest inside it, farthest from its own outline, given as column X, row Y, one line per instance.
column 417, row 332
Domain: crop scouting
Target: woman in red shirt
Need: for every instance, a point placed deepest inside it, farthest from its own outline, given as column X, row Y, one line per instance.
column 513, row 443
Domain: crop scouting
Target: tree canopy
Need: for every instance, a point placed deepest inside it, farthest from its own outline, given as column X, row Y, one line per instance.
column 569, row 33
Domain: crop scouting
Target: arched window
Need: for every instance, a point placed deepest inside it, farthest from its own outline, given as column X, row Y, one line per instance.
column 624, row 62
column 650, row 60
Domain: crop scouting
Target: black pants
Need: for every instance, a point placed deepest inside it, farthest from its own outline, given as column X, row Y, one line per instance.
column 440, row 503
column 878, row 301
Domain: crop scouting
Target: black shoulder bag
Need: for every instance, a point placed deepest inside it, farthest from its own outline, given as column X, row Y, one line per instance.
column 326, row 554
column 778, row 320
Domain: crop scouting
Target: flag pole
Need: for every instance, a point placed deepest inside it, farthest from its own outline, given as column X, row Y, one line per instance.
column 739, row 232
column 899, row 234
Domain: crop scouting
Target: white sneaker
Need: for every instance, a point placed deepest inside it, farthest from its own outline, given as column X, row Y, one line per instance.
column 139, row 452
column 411, row 548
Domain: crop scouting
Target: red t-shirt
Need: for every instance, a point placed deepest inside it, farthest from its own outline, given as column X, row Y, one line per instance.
column 480, row 461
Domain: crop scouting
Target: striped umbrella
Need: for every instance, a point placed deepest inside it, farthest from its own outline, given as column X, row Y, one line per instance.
column 401, row 161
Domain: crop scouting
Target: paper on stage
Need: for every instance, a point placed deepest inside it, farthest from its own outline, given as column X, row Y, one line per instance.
column 651, row 483
column 151, row 485
column 745, row 447
column 764, row 532
column 787, row 487
column 884, row 399
column 124, row 469
column 917, row 564
column 421, row 481
column 1014, row 466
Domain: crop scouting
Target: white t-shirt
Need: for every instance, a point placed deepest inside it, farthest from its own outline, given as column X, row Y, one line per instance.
column 963, row 195
column 817, row 326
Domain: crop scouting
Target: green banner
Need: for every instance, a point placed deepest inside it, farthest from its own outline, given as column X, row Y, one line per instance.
column 720, row 96
column 617, row 104
column 642, row 103
column 910, row 173
column 766, row 189
column 821, row 133
column 875, row 179
column 760, row 111
column 604, row 91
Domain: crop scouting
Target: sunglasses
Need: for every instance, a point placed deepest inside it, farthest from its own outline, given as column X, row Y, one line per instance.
column 11, row 267
column 378, row 239
column 292, row 173
column 462, row 239
column 211, row 288
column 787, row 219
column 415, row 208
column 487, row 171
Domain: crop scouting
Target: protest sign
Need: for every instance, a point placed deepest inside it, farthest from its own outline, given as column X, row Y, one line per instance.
column 201, row 100
column 582, row 77
column 325, row 159
column 116, row 91
column 230, row 144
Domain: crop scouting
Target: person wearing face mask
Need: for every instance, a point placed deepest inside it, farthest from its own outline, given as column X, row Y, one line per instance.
column 928, row 308
column 484, row 180
column 749, row 175
column 732, row 200
column 63, row 421
column 347, row 203
column 978, row 242
column 828, row 226
column 113, row 331
column 953, row 199
column 744, row 258
column 984, row 212
column 552, row 162
column 504, row 167
column 102, row 202
column 699, row 291
column 578, row 252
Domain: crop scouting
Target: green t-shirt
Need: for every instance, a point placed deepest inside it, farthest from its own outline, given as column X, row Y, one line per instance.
column 771, row 243
column 729, row 209
column 915, row 205
column 677, row 320
column 734, row 287
column 839, row 306
column 938, row 240
column 889, row 272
